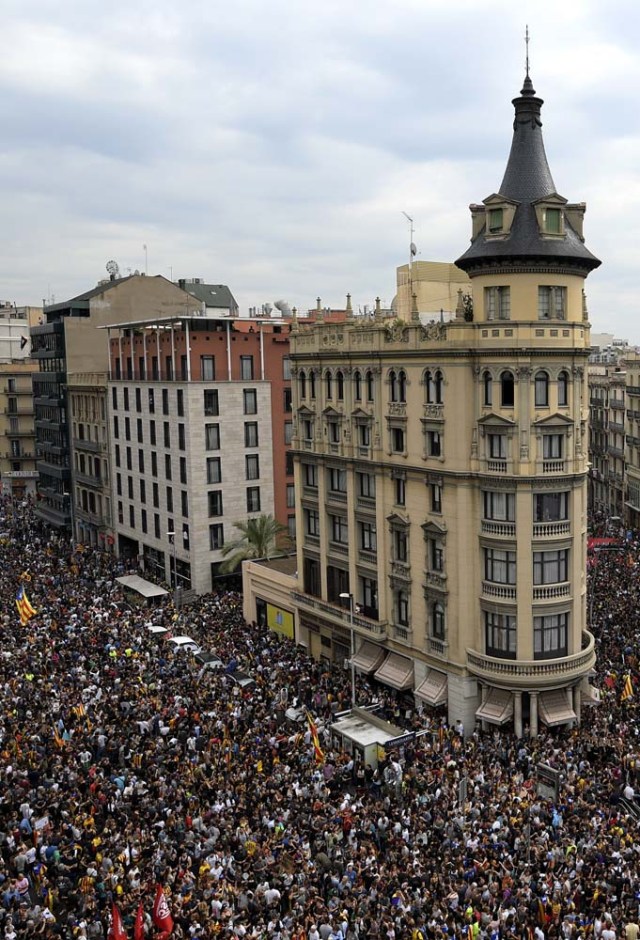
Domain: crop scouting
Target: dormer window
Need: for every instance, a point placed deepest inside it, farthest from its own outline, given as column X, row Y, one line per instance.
column 496, row 221
column 552, row 221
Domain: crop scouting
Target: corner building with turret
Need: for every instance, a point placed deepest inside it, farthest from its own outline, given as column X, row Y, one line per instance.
column 441, row 471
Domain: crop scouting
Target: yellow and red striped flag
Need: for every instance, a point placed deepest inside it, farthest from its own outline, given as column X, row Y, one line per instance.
column 313, row 728
column 23, row 604
column 627, row 691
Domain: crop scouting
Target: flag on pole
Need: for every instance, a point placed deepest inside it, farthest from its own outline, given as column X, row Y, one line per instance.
column 23, row 604
column 161, row 914
column 138, row 927
column 627, row 691
column 313, row 728
column 116, row 930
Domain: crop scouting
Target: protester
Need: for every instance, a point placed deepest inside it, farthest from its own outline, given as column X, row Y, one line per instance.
column 135, row 786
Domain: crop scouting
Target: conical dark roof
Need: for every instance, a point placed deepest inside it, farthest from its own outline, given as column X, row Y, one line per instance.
column 527, row 179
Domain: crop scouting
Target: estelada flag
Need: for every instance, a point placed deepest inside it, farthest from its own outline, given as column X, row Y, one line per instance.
column 161, row 914
column 627, row 691
column 23, row 604
column 116, row 930
column 317, row 750
column 138, row 927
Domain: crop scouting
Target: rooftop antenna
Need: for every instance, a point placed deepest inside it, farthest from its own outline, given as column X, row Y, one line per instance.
column 412, row 253
column 526, row 42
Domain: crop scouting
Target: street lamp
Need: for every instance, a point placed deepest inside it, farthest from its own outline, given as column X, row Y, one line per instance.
column 349, row 597
column 172, row 541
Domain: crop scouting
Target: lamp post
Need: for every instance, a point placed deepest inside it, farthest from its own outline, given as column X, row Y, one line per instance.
column 349, row 597
column 172, row 541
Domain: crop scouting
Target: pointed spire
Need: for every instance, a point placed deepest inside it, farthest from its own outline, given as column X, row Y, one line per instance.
column 527, row 88
column 378, row 313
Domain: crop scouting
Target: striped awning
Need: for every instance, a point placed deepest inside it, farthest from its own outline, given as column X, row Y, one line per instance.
column 554, row 708
column 396, row 671
column 497, row 708
column 369, row 657
column 433, row 689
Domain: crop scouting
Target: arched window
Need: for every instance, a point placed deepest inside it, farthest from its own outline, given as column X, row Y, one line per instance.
column 402, row 386
column 487, row 385
column 302, row 384
column 433, row 381
column 370, row 386
column 506, row 389
column 340, row 384
column 357, row 386
column 563, row 389
column 312, row 385
column 393, row 386
column 328, row 382
column 541, row 382
column 437, row 621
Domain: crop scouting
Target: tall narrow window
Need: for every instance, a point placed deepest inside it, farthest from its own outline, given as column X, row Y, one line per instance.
column 507, row 389
column 563, row 389
column 541, row 390
column 487, row 386
column 497, row 301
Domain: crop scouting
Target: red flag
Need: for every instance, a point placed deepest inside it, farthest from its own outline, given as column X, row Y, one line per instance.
column 162, row 918
column 116, row 931
column 138, row 929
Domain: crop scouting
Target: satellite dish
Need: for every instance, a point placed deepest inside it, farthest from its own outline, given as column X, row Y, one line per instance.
column 112, row 269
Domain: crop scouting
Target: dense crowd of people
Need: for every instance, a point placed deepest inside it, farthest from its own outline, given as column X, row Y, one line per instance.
column 125, row 765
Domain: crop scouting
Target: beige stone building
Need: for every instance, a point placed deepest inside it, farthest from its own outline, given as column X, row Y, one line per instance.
column 441, row 471
column 18, row 472
column 607, row 434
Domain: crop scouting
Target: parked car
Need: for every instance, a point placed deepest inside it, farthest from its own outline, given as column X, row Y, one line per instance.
column 243, row 679
column 208, row 660
column 157, row 631
column 184, row 643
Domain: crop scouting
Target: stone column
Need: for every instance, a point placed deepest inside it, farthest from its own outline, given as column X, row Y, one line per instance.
column 577, row 703
column 533, row 717
column 517, row 713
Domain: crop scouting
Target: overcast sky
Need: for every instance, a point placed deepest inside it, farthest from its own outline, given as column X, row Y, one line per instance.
column 272, row 144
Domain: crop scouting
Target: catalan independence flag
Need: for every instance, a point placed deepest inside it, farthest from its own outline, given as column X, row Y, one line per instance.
column 627, row 690
column 23, row 604
column 313, row 728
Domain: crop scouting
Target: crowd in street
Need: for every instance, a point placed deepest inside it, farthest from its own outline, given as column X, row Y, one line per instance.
column 125, row 766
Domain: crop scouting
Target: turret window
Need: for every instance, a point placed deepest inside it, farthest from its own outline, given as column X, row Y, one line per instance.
column 487, row 383
column 552, row 303
column 552, row 221
column 500, row 635
column 563, row 389
column 496, row 221
column 497, row 303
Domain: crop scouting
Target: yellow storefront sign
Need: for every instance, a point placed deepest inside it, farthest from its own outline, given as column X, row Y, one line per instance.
column 280, row 620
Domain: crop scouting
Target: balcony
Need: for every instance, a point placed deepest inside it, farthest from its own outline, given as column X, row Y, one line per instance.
column 22, row 456
column 401, row 569
column 551, row 592
column 616, row 451
column 338, row 548
column 435, row 579
column 397, row 409
column 19, row 390
column 369, row 558
column 336, row 496
column 18, row 412
column 87, row 479
column 436, row 647
column 503, row 592
column 339, row 616
column 617, row 404
column 434, row 412
column 20, row 432
column 525, row 673
column 497, row 466
column 94, row 447
column 616, row 426
column 403, row 634
column 550, row 530
column 501, row 529
column 553, row 466
column 366, row 502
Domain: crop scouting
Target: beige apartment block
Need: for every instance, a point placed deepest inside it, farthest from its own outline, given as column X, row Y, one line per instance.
column 18, row 474
column 631, row 512
column 441, row 472
column 608, row 430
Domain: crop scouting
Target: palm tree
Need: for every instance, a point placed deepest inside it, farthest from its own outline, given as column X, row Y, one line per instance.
column 259, row 539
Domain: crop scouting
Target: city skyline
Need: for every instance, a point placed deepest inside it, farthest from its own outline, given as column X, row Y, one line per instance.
column 276, row 149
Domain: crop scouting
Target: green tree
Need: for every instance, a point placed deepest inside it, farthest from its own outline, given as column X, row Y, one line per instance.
column 259, row 538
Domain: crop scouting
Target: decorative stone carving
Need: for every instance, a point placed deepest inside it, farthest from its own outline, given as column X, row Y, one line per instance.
column 333, row 339
column 433, row 331
column 396, row 332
